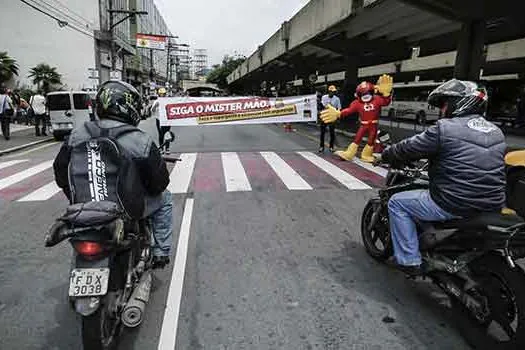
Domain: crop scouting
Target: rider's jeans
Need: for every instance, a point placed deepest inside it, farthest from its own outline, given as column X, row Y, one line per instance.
column 404, row 209
column 159, row 210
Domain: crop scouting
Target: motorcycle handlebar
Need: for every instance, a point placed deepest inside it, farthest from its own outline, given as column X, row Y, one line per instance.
column 171, row 160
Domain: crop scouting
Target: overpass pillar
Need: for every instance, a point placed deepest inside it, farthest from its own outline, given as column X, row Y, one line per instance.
column 470, row 57
column 350, row 83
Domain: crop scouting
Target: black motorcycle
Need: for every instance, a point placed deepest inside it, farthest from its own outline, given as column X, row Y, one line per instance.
column 110, row 276
column 470, row 259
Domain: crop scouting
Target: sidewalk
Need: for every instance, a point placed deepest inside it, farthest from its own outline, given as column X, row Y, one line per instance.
column 21, row 137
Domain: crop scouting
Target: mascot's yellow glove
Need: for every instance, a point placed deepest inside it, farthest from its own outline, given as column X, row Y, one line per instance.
column 330, row 114
column 384, row 85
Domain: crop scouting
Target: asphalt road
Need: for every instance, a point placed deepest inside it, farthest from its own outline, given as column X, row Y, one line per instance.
column 267, row 267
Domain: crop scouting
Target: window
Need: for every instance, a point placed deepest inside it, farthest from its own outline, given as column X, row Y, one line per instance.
column 81, row 101
column 58, row 102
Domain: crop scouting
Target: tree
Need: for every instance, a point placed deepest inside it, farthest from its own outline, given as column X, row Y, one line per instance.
column 8, row 67
column 219, row 72
column 46, row 75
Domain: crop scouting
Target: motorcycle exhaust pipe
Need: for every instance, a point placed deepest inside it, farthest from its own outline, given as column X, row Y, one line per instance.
column 133, row 312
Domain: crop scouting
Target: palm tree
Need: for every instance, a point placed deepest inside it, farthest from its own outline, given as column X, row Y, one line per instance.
column 8, row 67
column 46, row 75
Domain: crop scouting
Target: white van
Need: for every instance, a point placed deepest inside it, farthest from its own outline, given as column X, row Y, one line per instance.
column 68, row 109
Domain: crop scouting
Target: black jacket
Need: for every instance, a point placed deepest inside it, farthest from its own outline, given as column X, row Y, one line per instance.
column 467, row 167
column 152, row 169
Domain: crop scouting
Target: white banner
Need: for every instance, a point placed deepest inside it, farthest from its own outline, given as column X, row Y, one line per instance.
column 186, row 111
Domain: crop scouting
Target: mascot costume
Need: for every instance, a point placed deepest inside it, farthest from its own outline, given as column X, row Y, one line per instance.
column 369, row 100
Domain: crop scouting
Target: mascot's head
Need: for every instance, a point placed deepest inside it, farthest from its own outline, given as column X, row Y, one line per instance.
column 365, row 91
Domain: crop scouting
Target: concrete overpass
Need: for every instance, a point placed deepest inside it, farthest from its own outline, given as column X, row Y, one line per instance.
column 354, row 38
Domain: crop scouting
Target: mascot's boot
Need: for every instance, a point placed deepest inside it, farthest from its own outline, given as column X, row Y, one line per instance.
column 367, row 154
column 349, row 153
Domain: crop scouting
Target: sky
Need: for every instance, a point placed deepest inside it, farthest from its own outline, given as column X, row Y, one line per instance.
column 226, row 26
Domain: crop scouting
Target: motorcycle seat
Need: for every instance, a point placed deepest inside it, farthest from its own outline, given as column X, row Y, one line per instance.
column 92, row 214
column 482, row 221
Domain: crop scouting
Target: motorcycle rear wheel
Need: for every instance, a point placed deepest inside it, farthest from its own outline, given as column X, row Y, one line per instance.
column 504, row 290
column 379, row 232
column 100, row 331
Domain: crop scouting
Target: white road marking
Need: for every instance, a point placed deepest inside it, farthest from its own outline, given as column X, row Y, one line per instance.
column 21, row 176
column 290, row 178
column 168, row 333
column 375, row 169
column 340, row 175
column 180, row 177
column 11, row 163
column 42, row 194
column 234, row 174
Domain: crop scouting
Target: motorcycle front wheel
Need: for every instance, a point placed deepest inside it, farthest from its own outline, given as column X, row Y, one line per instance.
column 376, row 239
column 100, row 330
column 503, row 290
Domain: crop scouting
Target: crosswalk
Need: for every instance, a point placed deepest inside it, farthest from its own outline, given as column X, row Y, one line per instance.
column 28, row 180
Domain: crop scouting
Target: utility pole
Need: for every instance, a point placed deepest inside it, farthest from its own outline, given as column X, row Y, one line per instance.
column 113, row 24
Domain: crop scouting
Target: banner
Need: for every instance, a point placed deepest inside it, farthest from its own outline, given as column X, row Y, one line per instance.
column 186, row 111
column 147, row 41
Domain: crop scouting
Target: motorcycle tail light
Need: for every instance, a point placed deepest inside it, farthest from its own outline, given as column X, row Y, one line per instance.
column 88, row 249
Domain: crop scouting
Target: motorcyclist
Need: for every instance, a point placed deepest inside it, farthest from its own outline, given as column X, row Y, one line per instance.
column 466, row 168
column 118, row 104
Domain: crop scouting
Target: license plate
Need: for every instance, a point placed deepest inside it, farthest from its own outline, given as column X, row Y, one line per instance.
column 88, row 282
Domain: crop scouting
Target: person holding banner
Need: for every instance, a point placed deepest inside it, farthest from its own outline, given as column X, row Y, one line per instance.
column 161, row 129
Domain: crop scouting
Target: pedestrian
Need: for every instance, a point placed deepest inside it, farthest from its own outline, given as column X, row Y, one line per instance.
column 38, row 105
column 162, row 130
column 15, row 97
column 6, row 112
column 332, row 100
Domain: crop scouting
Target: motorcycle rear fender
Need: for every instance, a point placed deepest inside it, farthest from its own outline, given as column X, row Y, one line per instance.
column 87, row 305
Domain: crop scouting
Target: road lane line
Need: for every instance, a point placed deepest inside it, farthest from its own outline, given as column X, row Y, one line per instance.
column 21, row 176
column 43, row 193
column 234, row 174
column 340, row 175
column 168, row 333
column 289, row 176
column 375, row 169
column 182, row 172
column 11, row 163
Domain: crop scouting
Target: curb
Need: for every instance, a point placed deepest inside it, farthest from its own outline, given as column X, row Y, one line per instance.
column 21, row 147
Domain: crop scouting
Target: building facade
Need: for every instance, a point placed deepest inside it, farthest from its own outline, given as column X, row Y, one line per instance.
column 75, row 37
column 32, row 37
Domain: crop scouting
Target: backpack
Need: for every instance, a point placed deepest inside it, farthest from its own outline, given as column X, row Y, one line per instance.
column 101, row 170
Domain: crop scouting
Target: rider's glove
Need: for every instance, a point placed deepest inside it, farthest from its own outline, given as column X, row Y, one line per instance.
column 384, row 85
column 330, row 114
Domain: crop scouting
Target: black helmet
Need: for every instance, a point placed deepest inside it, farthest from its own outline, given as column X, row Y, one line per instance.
column 460, row 97
column 120, row 101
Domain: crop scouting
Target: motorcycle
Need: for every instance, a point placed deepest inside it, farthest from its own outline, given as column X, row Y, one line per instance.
column 111, row 273
column 473, row 260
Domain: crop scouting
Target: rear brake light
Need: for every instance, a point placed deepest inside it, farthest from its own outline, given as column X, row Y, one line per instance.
column 88, row 248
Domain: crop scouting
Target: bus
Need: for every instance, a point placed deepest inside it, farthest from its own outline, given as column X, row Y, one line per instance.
column 506, row 100
column 409, row 101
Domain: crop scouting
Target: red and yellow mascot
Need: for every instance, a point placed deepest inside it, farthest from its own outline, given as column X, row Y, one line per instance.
column 369, row 100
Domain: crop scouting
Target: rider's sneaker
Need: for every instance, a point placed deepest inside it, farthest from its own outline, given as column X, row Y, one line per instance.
column 411, row 271
column 159, row 262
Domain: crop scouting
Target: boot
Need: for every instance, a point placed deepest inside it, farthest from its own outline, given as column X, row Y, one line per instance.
column 367, row 154
column 349, row 153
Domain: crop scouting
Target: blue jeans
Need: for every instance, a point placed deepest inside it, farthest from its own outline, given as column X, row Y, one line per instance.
column 159, row 210
column 404, row 209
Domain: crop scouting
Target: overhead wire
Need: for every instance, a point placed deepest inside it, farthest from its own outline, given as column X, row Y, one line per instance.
column 53, row 16
column 50, row 7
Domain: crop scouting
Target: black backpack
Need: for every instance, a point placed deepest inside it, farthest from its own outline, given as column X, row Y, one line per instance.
column 101, row 170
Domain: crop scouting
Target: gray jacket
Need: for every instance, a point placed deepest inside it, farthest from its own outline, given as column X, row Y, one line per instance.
column 467, row 167
column 152, row 169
